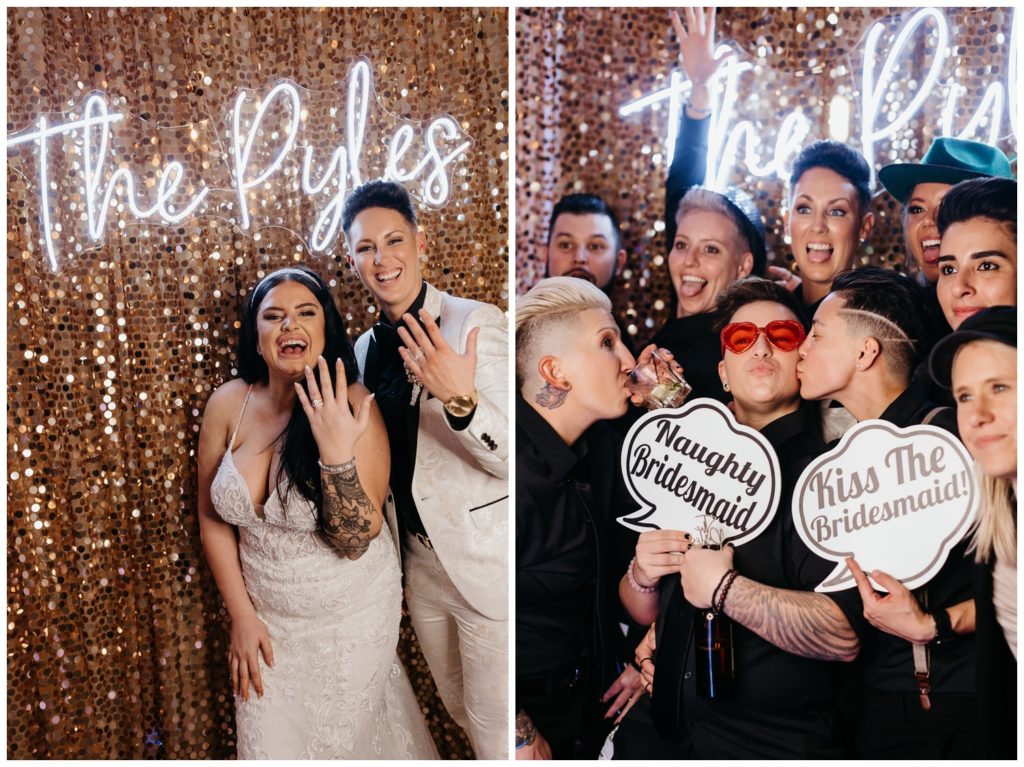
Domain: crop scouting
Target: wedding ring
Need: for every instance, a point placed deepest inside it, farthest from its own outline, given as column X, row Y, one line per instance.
column 317, row 404
column 418, row 356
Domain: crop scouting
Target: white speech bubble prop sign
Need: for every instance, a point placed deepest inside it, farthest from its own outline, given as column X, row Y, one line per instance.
column 896, row 499
column 695, row 469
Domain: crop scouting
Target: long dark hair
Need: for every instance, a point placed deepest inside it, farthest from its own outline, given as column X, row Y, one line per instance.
column 299, row 452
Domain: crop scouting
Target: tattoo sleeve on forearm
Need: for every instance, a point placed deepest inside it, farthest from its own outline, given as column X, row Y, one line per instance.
column 800, row 622
column 348, row 513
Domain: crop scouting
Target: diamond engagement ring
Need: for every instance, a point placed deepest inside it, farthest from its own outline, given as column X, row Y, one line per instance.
column 317, row 404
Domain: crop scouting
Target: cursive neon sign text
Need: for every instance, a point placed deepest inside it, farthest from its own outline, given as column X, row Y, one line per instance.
column 876, row 124
column 252, row 164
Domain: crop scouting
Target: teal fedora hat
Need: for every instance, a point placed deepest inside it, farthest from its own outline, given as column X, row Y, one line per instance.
column 947, row 161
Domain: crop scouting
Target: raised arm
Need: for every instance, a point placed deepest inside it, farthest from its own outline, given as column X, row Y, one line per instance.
column 690, row 156
column 249, row 635
column 481, row 367
column 354, row 459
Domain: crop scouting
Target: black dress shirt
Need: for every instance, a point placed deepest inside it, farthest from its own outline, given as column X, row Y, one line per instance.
column 563, row 642
column 386, row 377
column 888, row 660
column 784, row 706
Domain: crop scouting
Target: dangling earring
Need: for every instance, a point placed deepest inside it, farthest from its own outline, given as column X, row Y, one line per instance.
column 552, row 397
column 725, row 385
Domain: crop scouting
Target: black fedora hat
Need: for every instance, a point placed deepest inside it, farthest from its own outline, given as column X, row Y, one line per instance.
column 997, row 323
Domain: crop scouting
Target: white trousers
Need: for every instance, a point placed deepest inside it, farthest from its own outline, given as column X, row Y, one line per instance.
column 467, row 653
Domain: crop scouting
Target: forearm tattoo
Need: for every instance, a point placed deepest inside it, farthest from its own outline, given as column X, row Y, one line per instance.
column 800, row 622
column 347, row 513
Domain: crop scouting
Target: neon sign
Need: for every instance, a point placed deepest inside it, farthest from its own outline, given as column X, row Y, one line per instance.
column 263, row 139
column 877, row 122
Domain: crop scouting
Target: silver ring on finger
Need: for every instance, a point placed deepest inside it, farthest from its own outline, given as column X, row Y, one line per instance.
column 317, row 404
column 419, row 356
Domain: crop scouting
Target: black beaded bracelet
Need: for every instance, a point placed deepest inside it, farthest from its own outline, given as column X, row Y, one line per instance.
column 731, row 575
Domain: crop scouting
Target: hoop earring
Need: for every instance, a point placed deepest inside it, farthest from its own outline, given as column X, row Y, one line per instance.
column 552, row 397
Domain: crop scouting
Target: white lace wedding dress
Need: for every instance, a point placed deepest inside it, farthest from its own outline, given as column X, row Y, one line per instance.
column 337, row 689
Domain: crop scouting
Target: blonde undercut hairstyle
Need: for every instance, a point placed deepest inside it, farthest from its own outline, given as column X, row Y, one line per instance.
column 544, row 311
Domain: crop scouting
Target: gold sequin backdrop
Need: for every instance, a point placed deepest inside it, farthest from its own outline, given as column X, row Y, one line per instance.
column 576, row 67
column 116, row 634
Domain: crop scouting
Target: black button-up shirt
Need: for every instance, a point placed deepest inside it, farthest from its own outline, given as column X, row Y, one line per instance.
column 784, row 705
column 386, row 377
column 889, row 660
column 568, row 545
column 556, row 549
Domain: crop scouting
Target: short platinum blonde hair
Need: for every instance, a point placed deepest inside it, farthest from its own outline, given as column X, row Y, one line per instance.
column 544, row 311
column 699, row 198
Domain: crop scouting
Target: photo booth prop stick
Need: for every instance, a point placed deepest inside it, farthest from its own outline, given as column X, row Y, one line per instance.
column 695, row 469
column 896, row 499
column 268, row 147
column 889, row 99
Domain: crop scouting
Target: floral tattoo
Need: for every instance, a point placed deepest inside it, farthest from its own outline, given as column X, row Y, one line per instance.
column 347, row 513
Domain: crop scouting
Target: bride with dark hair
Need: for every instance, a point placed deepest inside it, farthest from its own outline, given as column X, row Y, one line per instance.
column 293, row 470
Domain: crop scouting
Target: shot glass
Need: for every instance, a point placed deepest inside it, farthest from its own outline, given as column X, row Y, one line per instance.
column 659, row 385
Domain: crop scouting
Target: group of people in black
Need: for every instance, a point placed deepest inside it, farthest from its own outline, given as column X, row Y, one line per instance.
column 604, row 617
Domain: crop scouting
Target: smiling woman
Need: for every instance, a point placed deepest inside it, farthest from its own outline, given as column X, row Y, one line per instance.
column 290, row 515
column 828, row 216
column 977, row 221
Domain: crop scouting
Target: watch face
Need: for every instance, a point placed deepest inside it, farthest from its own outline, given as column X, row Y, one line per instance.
column 461, row 406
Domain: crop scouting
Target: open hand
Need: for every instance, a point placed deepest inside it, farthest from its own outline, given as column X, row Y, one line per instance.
column 335, row 429
column 623, row 692
column 444, row 372
column 697, row 44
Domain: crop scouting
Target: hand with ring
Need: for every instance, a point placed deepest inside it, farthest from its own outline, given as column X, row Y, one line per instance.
column 659, row 553
column 335, row 428
column 427, row 355
column 645, row 659
column 783, row 277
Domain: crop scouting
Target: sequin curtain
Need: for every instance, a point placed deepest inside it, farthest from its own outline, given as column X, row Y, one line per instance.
column 116, row 633
column 577, row 66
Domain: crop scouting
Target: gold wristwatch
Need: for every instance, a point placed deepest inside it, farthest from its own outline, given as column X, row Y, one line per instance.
column 461, row 405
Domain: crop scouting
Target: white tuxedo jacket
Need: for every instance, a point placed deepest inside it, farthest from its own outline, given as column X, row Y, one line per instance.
column 460, row 480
